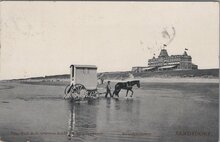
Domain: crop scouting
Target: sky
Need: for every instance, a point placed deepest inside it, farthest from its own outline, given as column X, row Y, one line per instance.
column 43, row 38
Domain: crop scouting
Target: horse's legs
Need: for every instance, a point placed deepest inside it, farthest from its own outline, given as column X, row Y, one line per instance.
column 127, row 92
column 113, row 93
column 132, row 92
column 117, row 92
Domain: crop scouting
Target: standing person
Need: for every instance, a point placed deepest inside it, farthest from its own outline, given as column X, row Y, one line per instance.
column 108, row 90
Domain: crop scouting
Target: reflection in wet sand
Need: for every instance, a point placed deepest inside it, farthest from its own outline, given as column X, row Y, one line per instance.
column 71, row 123
column 82, row 119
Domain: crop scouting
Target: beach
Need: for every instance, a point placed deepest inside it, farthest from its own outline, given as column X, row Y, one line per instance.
column 167, row 110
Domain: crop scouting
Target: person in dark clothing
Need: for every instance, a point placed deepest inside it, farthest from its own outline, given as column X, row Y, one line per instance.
column 108, row 90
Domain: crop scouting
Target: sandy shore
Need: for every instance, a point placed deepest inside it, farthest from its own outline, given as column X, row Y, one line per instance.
column 157, row 111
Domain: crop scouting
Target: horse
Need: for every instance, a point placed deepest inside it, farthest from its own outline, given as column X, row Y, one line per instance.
column 126, row 86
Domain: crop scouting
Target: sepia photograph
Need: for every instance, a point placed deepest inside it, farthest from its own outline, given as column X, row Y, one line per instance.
column 107, row 71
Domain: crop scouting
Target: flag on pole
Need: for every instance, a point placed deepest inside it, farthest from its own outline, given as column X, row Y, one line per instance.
column 186, row 49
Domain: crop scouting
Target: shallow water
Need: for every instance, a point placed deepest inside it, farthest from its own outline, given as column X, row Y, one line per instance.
column 157, row 112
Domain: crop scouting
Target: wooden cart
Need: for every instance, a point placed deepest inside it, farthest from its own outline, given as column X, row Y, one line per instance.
column 83, row 82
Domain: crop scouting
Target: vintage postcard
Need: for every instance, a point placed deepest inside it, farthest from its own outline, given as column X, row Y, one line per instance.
column 77, row 71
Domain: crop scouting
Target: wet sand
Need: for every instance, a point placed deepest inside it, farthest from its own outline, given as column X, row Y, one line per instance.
column 167, row 111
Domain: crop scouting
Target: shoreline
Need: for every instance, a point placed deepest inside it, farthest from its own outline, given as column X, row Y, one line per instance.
column 63, row 82
column 171, row 80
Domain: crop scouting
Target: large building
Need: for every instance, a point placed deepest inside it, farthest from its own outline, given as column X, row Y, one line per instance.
column 165, row 62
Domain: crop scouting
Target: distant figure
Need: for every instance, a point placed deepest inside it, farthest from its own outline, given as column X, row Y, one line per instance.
column 102, row 80
column 108, row 90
